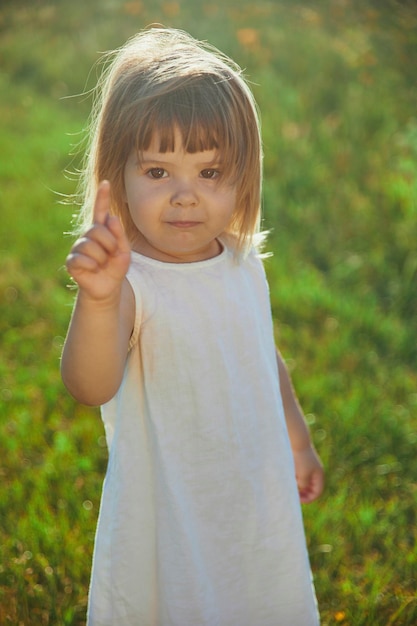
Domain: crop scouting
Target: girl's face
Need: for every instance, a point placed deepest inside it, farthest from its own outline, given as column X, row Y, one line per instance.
column 179, row 202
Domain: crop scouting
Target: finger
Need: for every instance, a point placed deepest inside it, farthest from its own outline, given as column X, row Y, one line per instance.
column 98, row 242
column 115, row 227
column 101, row 208
column 306, row 493
column 76, row 262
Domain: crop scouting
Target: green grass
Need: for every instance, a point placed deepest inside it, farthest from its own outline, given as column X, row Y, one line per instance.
column 336, row 84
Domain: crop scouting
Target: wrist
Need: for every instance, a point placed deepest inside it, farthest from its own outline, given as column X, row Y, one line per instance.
column 99, row 303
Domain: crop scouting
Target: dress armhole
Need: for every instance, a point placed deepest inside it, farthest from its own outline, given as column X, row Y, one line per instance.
column 138, row 314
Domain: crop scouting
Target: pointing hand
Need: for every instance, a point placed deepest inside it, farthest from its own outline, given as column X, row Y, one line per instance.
column 99, row 260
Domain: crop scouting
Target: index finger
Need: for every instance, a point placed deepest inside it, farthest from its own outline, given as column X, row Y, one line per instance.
column 101, row 208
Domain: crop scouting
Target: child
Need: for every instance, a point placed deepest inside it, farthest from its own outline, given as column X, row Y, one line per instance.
column 200, row 521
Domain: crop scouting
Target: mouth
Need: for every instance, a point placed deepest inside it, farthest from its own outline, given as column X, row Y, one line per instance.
column 184, row 224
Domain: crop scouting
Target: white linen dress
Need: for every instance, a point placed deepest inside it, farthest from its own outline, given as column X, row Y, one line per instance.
column 200, row 522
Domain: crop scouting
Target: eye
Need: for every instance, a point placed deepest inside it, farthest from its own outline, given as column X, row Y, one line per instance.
column 156, row 173
column 210, row 174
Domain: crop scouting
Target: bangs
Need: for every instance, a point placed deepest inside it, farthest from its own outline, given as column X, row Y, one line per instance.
column 198, row 112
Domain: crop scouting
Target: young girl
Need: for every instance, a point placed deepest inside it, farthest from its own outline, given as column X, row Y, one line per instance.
column 200, row 521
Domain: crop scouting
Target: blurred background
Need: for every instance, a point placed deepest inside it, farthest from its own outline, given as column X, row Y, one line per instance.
column 336, row 84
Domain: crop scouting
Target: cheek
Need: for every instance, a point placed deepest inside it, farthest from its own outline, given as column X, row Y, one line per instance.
column 230, row 201
column 134, row 192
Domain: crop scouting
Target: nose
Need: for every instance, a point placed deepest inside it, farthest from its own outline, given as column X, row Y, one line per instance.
column 184, row 194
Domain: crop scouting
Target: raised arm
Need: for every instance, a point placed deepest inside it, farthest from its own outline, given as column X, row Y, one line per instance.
column 308, row 467
column 102, row 321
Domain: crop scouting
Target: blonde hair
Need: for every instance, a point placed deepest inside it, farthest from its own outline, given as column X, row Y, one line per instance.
column 159, row 81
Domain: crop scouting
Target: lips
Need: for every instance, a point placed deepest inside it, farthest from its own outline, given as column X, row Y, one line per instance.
column 184, row 224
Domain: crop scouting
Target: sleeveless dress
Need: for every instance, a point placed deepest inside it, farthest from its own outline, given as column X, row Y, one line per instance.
column 200, row 522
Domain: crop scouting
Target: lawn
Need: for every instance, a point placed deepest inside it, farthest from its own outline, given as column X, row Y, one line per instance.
column 335, row 81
